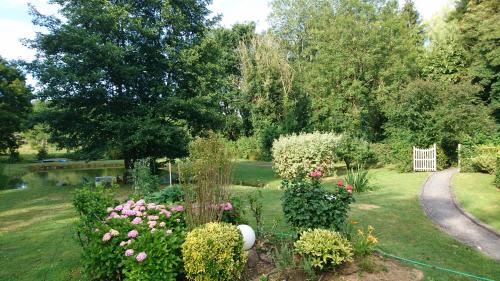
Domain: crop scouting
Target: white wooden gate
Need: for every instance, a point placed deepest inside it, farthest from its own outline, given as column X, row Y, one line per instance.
column 424, row 160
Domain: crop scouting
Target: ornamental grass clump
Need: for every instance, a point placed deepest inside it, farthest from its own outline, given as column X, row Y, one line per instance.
column 323, row 248
column 214, row 251
column 205, row 176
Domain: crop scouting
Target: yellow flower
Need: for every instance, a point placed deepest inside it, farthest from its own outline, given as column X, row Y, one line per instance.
column 370, row 228
column 372, row 239
column 360, row 232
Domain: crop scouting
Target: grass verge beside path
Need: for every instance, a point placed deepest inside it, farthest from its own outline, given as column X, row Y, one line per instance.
column 476, row 193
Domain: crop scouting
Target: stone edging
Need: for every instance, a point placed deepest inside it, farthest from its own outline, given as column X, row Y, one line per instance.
column 468, row 215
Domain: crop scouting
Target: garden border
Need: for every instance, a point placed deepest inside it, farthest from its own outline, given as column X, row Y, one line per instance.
column 469, row 215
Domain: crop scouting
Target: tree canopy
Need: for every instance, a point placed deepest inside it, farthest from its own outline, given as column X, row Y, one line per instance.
column 15, row 105
column 127, row 75
column 144, row 77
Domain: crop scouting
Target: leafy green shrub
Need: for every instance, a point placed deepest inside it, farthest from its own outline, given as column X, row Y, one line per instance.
column 233, row 211
column 355, row 151
column 442, row 161
column 42, row 153
column 497, row 173
column 295, row 156
column 485, row 159
column 145, row 182
column 135, row 241
column 214, row 251
column 382, row 153
column 171, row 194
column 90, row 203
column 306, row 204
column 324, row 248
column 402, row 154
column 284, row 260
column 247, row 148
column 256, row 206
column 358, row 179
column 479, row 158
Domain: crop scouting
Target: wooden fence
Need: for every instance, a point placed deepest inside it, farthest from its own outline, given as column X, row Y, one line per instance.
column 424, row 160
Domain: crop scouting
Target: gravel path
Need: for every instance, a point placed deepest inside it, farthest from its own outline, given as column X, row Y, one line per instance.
column 436, row 200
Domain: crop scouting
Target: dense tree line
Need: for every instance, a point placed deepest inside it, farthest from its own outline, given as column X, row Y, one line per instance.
column 141, row 78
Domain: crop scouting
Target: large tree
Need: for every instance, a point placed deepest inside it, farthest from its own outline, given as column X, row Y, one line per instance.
column 125, row 75
column 350, row 57
column 15, row 106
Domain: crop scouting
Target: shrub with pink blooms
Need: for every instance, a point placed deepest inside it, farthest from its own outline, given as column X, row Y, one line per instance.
column 135, row 240
column 306, row 203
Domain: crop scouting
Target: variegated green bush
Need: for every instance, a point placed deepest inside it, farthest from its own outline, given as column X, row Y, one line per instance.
column 324, row 248
column 295, row 156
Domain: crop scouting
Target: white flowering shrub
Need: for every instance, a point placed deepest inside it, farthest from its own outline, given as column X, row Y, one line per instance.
column 295, row 156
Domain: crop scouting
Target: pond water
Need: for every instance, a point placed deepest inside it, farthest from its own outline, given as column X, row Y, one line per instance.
column 62, row 177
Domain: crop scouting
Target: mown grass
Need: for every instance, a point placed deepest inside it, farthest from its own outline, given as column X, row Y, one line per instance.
column 37, row 240
column 477, row 194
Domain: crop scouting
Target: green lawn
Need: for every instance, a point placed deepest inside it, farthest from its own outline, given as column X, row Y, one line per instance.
column 477, row 194
column 37, row 242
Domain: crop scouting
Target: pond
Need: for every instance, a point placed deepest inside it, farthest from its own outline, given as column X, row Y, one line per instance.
column 62, row 177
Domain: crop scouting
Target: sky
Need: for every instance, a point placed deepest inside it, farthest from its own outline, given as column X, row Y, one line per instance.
column 15, row 21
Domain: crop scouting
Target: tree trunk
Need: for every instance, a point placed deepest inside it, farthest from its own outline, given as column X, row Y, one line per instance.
column 128, row 164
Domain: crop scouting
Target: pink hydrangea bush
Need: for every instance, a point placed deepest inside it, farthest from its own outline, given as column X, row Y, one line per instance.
column 140, row 238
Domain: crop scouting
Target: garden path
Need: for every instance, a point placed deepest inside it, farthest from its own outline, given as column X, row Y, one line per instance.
column 437, row 201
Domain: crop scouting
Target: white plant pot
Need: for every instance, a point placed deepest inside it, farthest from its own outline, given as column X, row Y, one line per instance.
column 248, row 236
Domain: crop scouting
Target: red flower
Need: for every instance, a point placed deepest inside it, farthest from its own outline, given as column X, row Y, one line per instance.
column 340, row 183
column 349, row 188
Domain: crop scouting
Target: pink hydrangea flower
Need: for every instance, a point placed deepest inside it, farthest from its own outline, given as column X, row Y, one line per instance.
column 178, row 208
column 153, row 218
column 129, row 252
column 114, row 232
column 228, row 206
column 130, row 202
column 142, row 208
column 133, row 233
column 349, row 188
column 141, row 256
column 166, row 213
column 137, row 220
column 106, row 237
column 129, row 212
column 152, row 224
column 123, row 243
column 340, row 183
column 151, row 206
column 119, row 208
column 140, row 202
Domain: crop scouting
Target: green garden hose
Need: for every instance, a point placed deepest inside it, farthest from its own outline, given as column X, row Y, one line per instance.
column 433, row 266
